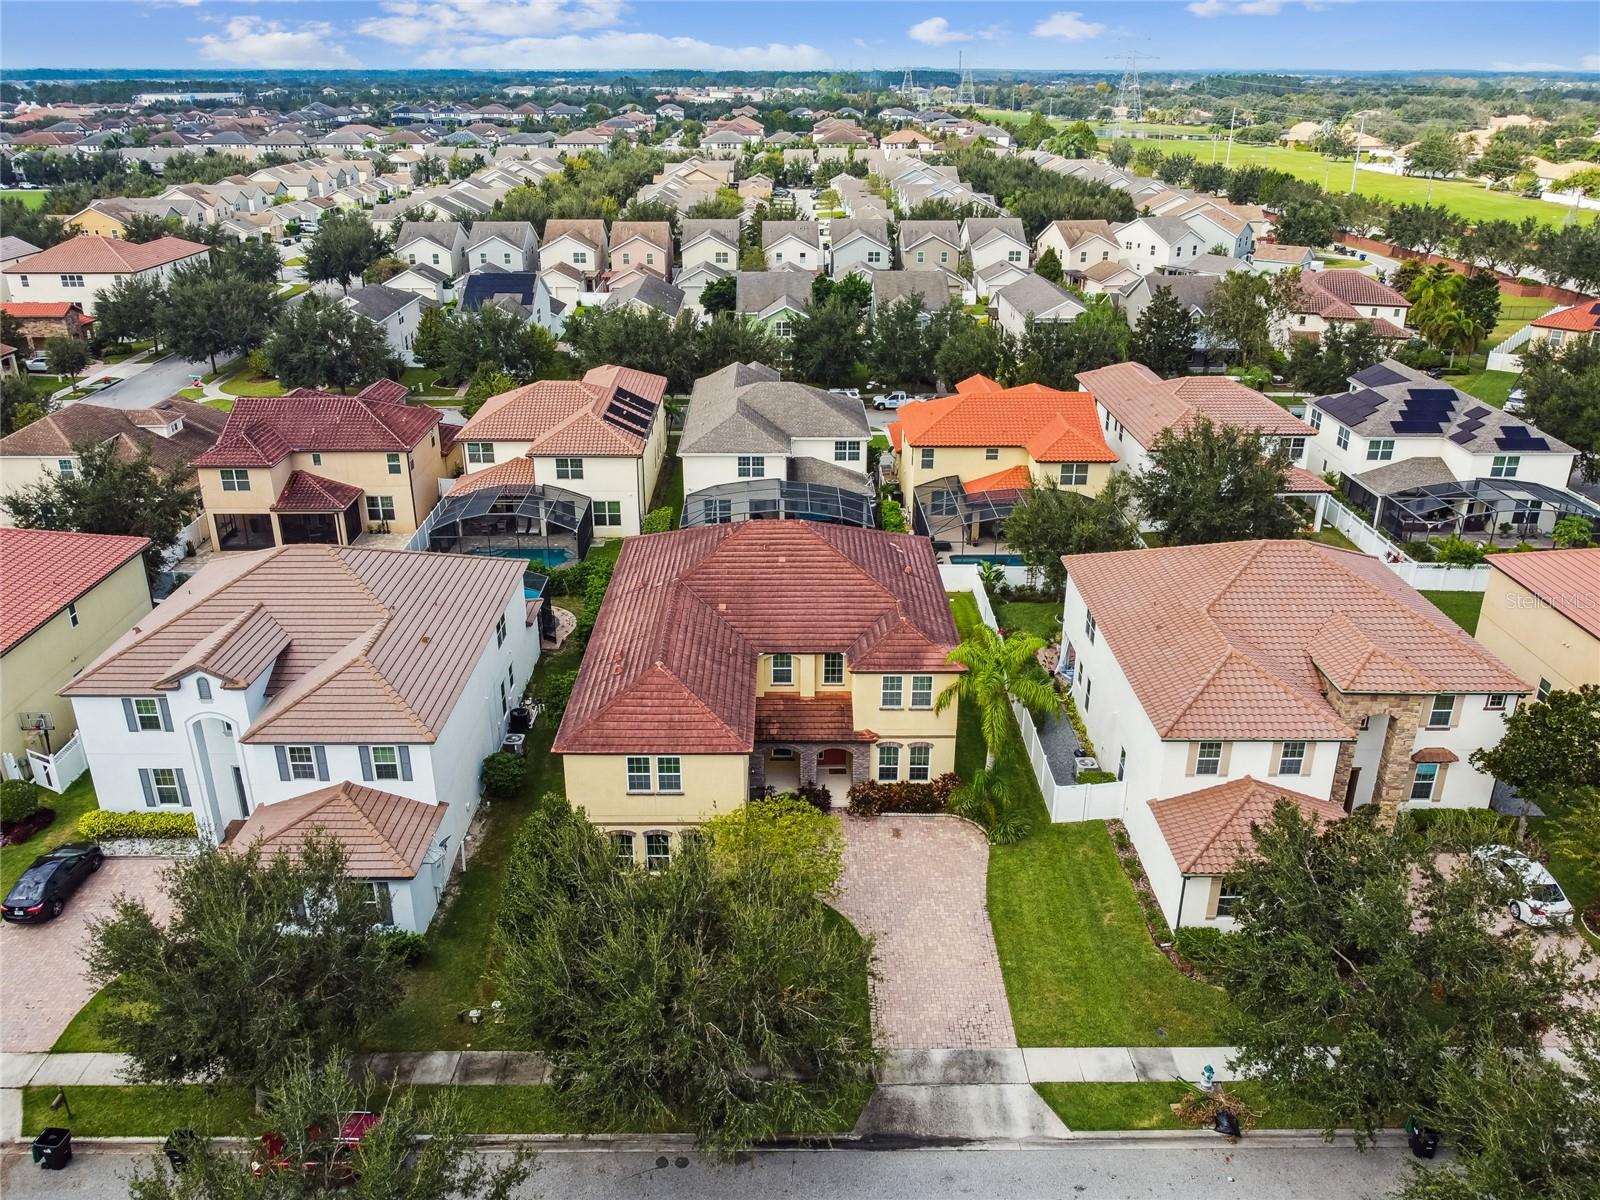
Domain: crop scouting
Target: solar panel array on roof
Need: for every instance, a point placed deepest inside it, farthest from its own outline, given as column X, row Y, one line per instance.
column 1594, row 309
column 630, row 412
column 1425, row 410
column 1378, row 375
column 1517, row 437
column 1353, row 407
column 1462, row 436
column 1477, row 412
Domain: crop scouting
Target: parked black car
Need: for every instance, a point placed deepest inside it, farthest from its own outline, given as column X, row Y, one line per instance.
column 43, row 890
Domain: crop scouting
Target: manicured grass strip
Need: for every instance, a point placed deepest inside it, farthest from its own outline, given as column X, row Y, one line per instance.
column 29, row 197
column 1088, row 1107
column 72, row 804
column 1013, row 767
column 247, row 384
column 1039, row 618
column 82, row 1035
column 143, row 1111
column 1329, row 536
column 1492, row 387
column 1460, row 607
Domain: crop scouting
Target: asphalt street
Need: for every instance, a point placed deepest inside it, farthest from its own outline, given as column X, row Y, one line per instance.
column 151, row 384
column 1092, row 1170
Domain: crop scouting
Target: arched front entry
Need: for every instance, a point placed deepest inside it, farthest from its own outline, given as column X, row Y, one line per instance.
column 216, row 750
column 785, row 766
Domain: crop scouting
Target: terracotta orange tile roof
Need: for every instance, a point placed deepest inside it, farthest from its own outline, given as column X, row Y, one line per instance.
column 1240, row 650
column 1011, row 479
column 42, row 571
column 1306, row 483
column 782, row 718
column 263, row 430
column 37, row 308
column 601, row 414
column 1209, row 831
column 304, row 492
column 376, row 645
column 385, row 836
column 1567, row 580
column 1580, row 318
column 1053, row 426
column 1435, row 754
column 1145, row 403
column 89, row 254
column 671, row 665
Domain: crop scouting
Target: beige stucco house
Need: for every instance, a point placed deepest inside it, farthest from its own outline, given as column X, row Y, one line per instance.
column 1541, row 617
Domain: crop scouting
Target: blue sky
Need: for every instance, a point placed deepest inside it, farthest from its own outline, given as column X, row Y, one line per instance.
column 1528, row 35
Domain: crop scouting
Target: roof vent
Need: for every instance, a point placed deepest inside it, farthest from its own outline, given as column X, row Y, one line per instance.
column 424, row 639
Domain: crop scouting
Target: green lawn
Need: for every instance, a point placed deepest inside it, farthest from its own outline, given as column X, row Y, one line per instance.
column 1035, row 617
column 143, row 1111
column 247, row 383
column 1088, row 1107
column 77, row 800
column 31, row 198
column 1460, row 607
column 669, row 484
column 1079, row 965
column 82, row 1035
column 1329, row 536
column 1492, row 387
column 1466, row 199
column 294, row 289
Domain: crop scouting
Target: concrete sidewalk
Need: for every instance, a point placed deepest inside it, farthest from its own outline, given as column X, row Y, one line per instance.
column 463, row 1067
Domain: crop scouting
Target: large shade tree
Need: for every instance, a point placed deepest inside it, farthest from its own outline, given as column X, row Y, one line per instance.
column 1215, row 483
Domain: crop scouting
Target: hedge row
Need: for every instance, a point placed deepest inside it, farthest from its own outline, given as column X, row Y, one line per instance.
column 869, row 799
column 99, row 825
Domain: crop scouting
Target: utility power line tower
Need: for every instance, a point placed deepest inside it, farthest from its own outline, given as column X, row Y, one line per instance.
column 905, row 84
column 1130, row 102
column 967, row 93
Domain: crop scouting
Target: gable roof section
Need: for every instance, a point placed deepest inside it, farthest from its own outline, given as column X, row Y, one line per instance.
column 1145, row 404
column 375, row 645
column 773, row 232
column 1034, row 294
column 579, row 417
column 45, row 570
column 1053, row 426
column 1567, row 580
column 1241, row 650
column 262, row 430
column 89, row 254
column 385, row 836
column 69, row 429
column 748, row 408
column 1209, row 831
column 671, row 665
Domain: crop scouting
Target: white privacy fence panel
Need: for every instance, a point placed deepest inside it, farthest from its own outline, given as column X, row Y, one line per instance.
column 1433, row 577
column 58, row 771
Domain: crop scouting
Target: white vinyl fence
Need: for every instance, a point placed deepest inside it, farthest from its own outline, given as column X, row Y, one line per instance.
column 57, row 771
column 1434, row 577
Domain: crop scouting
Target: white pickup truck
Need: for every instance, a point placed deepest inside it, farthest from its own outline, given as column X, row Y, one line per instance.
column 890, row 400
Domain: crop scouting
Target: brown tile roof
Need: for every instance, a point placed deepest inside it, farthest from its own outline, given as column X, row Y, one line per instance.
column 1303, row 482
column 1435, row 754
column 385, row 836
column 388, row 391
column 568, row 417
column 671, row 666
column 1567, row 580
column 516, row 472
column 591, row 231
column 89, row 254
column 1279, row 252
column 66, row 430
column 798, row 719
column 1209, row 831
column 1053, row 426
column 1146, row 404
column 1227, row 641
column 1333, row 294
column 262, row 430
column 42, row 571
column 378, row 644
column 304, row 492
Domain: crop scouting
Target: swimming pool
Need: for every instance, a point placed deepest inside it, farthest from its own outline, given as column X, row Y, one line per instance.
column 538, row 556
column 1005, row 560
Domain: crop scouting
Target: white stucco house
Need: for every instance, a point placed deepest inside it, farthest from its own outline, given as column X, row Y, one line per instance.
column 316, row 686
column 81, row 267
column 509, row 245
column 791, row 244
column 860, row 245
column 1154, row 244
column 396, row 311
column 1311, row 670
column 1033, row 297
column 438, row 244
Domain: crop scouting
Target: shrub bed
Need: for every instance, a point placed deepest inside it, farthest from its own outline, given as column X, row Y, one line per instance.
column 1155, row 921
column 99, row 825
column 870, row 799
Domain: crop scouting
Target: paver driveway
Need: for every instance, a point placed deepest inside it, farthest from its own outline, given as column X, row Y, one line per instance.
column 43, row 980
column 917, row 884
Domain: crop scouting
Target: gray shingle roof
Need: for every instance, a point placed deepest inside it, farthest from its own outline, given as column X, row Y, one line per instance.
column 748, row 408
column 646, row 288
column 379, row 301
column 518, row 233
column 773, row 231
column 931, row 287
column 912, row 232
column 1036, row 294
column 759, row 290
column 874, row 227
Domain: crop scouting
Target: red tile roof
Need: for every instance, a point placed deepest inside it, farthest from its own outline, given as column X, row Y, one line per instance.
column 798, row 719
column 1353, row 287
column 1052, row 426
column 1567, row 580
column 388, row 391
column 304, row 492
column 1242, row 648
column 1209, row 831
column 37, row 308
column 42, row 571
column 89, row 254
column 1011, row 479
column 511, row 473
column 263, row 430
column 1580, row 318
column 568, row 417
column 1306, row 483
column 671, row 665
column 385, row 836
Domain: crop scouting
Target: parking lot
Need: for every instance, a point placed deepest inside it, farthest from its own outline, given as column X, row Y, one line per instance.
column 43, row 980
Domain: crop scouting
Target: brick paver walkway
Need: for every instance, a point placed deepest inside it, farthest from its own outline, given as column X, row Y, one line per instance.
column 43, row 981
column 917, row 885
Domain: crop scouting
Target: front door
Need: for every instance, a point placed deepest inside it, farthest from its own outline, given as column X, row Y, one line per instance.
column 238, row 786
column 1350, row 789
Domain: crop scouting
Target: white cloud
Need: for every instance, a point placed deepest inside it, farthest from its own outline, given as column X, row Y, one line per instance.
column 254, row 42
column 936, row 31
column 1589, row 62
column 1069, row 26
column 1256, row 8
column 415, row 23
column 616, row 49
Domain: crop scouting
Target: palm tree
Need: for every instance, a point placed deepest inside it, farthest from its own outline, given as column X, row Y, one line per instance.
column 999, row 670
column 1454, row 329
column 989, row 799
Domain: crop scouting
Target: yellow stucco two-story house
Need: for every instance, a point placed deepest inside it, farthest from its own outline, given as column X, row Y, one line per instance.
column 313, row 467
column 64, row 598
column 964, row 459
column 732, row 658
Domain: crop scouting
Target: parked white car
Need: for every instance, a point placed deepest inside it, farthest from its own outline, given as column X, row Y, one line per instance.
column 890, row 400
column 847, row 393
column 1541, row 901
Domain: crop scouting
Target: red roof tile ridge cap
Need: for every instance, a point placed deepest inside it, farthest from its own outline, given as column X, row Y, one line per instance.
column 1200, row 688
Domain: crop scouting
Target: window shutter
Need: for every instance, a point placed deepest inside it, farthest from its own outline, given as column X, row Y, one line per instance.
column 166, row 713
column 1222, row 767
column 128, row 715
column 202, row 685
column 149, row 790
column 322, row 761
column 366, row 763
column 1194, row 755
column 183, row 788
column 283, row 762
column 1311, row 750
column 404, row 755
column 1215, row 895
column 1455, row 710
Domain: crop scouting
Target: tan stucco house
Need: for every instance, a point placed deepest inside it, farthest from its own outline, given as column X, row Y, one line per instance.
column 1541, row 617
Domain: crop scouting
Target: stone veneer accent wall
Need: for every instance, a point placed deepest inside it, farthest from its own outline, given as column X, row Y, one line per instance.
column 1393, row 785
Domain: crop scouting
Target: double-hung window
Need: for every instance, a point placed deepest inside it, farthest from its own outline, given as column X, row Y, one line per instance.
column 500, row 631
column 919, row 762
column 847, row 452
column 669, row 773
column 922, row 691
column 380, row 508
column 1496, row 702
column 752, row 466
column 1314, row 416
column 66, row 468
column 393, row 461
column 783, row 670
column 302, row 762
column 622, row 847
column 1292, row 758
column 385, row 762
column 164, row 785
column 1424, row 780
column 1227, row 896
column 1089, row 626
column 235, row 480
column 147, row 715
column 1380, row 449
column 888, row 763
column 1074, row 474
column 1208, row 759
column 657, row 851
column 927, row 458
column 569, row 468
column 1341, row 436
column 608, row 514
column 992, row 453
column 832, row 670
column 1442, row 711
column 638, row 773
column 892, row 694
column 1505, row 466
column 480, row 454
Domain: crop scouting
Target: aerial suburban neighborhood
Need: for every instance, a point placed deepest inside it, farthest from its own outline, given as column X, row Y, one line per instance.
column 605, row 599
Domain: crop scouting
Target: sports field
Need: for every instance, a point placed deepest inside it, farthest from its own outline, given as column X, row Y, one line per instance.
column 31, row 198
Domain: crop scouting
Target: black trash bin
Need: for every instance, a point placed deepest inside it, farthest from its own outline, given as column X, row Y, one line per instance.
column 179, row 1146
column 1424, row 1142
column 52, row 1149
